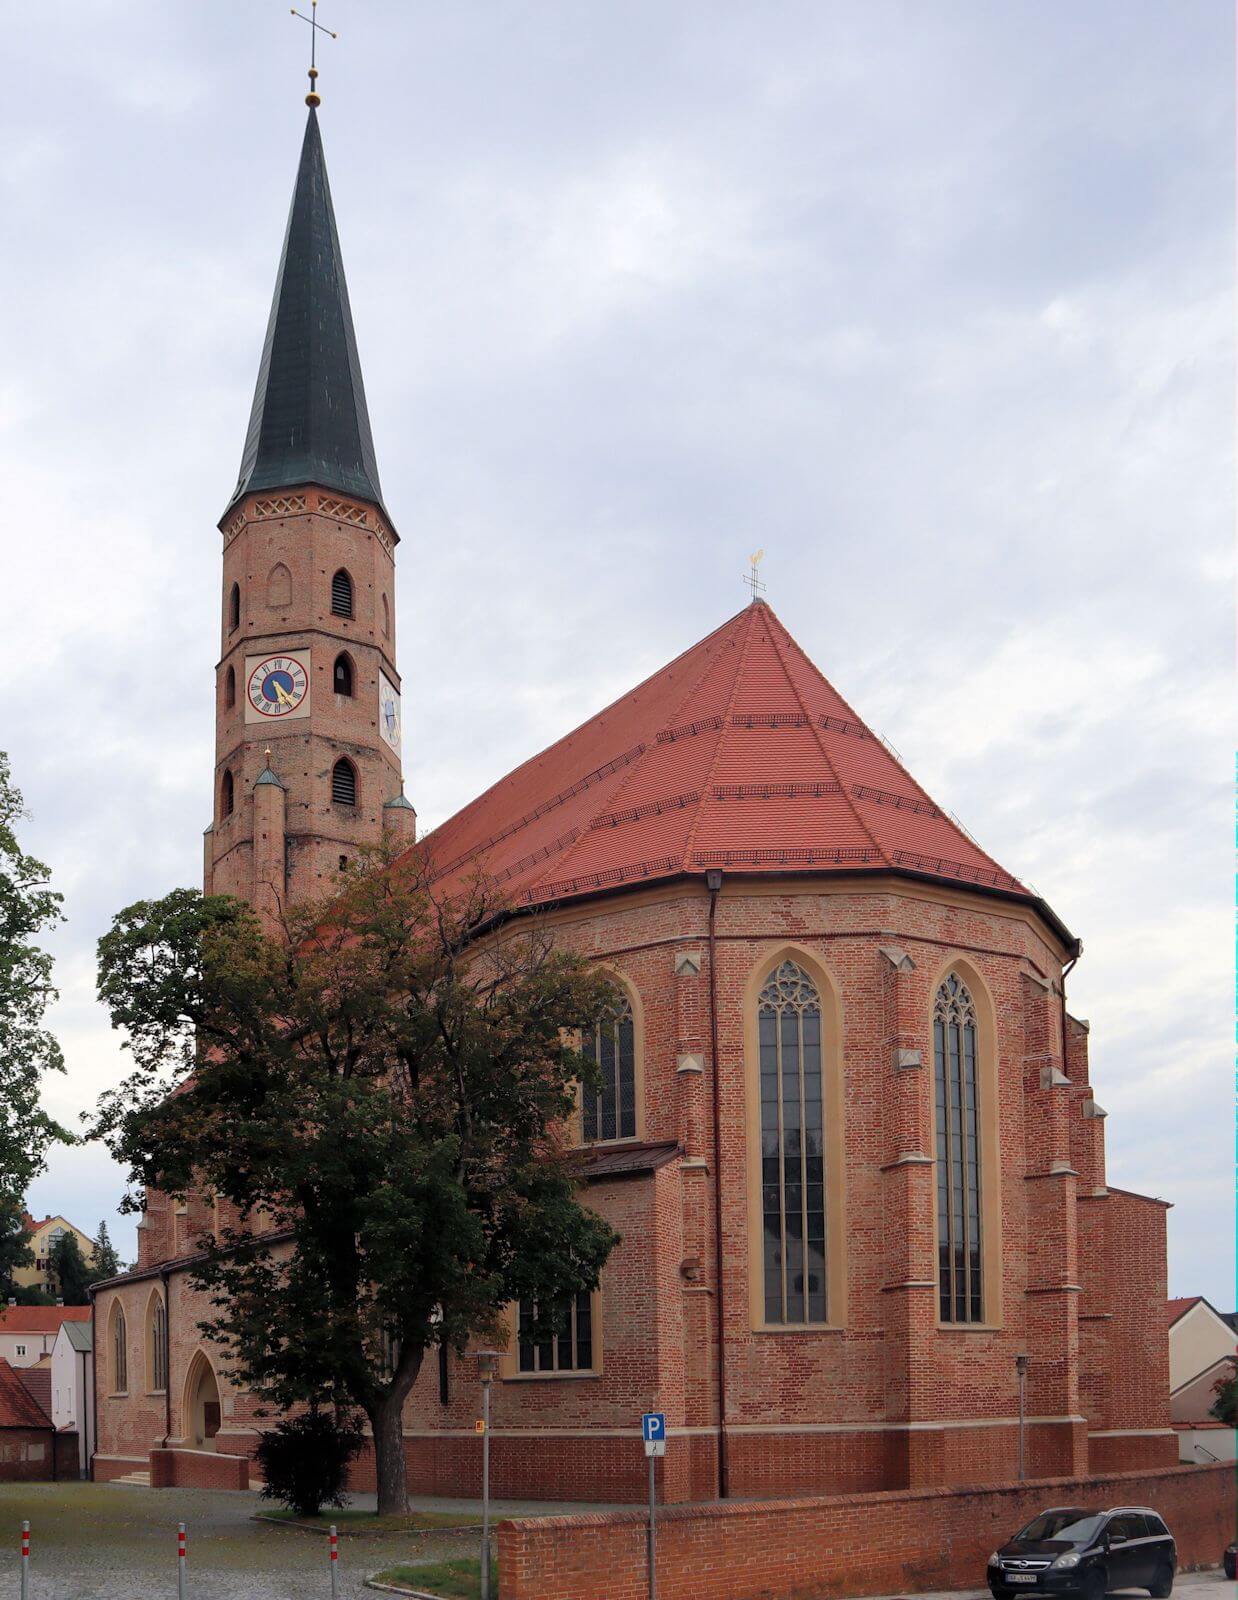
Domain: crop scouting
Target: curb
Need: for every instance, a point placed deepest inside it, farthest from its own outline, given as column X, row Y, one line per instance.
column 390, row 1588
column 348, row 1531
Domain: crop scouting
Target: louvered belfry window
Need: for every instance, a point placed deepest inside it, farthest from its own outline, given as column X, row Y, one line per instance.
column 341, row 594
column 228, row 795
column 792, row 1147
column 958, row 1154
column 344, row 783
column 609, row 1112
column 234, row 606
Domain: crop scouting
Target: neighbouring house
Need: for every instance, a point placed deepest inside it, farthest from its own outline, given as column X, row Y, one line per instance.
column 1202, row 1351
column 30, row 1448
column 27, row 1333
column 73, row 1387
column 42, row 1238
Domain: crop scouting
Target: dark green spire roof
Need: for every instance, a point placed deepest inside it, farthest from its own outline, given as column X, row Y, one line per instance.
column 309, row 423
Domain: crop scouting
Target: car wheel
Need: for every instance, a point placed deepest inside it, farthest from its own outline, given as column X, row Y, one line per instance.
column 1163, row 1584
column 1094, row 1585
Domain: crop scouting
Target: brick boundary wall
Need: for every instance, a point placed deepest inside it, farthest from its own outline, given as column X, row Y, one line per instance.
column 883, row 1543
column 197, row 1469
column 58, row 1459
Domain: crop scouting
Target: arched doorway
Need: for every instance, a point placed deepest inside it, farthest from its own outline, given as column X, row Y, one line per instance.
column 202, row 1411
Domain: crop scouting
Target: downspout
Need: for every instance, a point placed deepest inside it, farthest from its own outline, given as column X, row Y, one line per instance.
column 167, row 1359
column 713, row 882
column 1066, row 972
column 94, row 1388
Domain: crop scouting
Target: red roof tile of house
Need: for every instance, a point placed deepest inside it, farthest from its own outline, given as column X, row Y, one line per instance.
column 1178, row 1308
column 18, row 1409
column 37, row 1382
column 40, row 1319
column 738, row 755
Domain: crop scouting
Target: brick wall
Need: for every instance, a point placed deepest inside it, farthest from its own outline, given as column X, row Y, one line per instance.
column 37, row 1455
column 899, row 1542
column 197, row 1469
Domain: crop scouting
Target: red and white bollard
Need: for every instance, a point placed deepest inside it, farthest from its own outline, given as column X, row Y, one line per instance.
column 25, row 1561
column 334, row 1542
column 180, row 1560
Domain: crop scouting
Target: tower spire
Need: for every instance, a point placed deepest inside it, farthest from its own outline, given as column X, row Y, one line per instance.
column 309, row 423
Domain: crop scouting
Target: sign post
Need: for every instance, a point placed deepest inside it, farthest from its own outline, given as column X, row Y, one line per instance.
column 653, row 1431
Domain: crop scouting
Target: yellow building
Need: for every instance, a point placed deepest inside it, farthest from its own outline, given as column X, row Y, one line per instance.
column 42, row 1237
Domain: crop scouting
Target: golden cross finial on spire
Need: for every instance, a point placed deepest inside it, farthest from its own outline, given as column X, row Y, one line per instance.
column 313, row 98
column 752, row 580
column 267, row 754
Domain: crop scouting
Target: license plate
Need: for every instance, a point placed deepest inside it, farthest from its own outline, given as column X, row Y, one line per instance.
column 1020, row 1577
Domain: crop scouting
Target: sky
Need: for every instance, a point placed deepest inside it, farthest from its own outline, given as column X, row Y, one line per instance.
column 933, row 301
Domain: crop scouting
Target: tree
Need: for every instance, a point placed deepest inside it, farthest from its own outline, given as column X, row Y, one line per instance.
column 107, row 1262
column 28, row 909
column 69, row 1272
column 1225, row 1407
column 386, row 1091
column 14, row 1247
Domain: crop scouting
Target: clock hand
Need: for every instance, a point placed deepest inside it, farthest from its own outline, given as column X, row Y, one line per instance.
column 282, row 695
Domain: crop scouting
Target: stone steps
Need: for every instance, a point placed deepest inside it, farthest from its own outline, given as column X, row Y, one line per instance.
column 140, row 1480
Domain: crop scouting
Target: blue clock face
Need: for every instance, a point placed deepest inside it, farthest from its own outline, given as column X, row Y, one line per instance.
column 277, row 686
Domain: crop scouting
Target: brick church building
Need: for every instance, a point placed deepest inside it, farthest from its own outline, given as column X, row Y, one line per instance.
column 847, row 1130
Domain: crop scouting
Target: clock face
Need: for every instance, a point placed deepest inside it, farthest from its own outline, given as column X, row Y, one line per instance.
column 277, row 686
column 389, row 711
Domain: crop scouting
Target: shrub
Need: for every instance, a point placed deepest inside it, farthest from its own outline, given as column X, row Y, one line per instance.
column 305, row 1460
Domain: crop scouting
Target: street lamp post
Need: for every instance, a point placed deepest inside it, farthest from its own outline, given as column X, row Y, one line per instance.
column 1021, row 1364
column 487, row 1366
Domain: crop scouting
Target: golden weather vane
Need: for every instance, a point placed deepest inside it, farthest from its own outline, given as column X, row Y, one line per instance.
column 313, row 98
column 752, row 580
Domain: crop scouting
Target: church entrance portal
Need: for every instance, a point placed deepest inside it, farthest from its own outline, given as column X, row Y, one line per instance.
column 202, row 1409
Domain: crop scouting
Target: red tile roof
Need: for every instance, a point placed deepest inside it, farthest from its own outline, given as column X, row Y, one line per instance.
column 739, row 755
column 1178, row 1308
column 17, row 1407
column 37, row 1382
column 40, row 1319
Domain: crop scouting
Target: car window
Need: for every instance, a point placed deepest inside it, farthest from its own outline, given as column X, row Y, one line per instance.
column 1123, row 1528
column 1155, row 1526
column 1070, row 1527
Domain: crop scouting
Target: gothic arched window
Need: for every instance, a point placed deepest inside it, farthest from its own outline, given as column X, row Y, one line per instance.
column 234, row 607
column 792, row 1147
column 609, row 1112
column 120, row 1352
column 157, row 1344
column 279, row 587
column 961, row 1294
column 230, row 687
column 341, row 675
column 341, row 594
column 344, row 783
column 227, row 795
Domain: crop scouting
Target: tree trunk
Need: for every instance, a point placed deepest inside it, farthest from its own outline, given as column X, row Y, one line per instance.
column 387, row 1422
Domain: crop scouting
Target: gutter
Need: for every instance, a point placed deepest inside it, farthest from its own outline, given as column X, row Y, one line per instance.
column 713, row 882
column 94, row 1390
column 167, row 1359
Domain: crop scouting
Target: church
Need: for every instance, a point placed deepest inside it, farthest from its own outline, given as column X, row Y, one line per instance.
column 846, row 1128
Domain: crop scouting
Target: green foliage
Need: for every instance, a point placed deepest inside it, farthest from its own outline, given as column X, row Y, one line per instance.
column 69, row 1271
column 14, row 1247
column 107, row 1262
column 1225, row 1407
column 28, row 910
column 458, row 1579
column 388, row 1089
column 305, row 1461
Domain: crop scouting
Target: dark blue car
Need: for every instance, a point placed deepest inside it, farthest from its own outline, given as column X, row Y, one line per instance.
column 1072, row 1550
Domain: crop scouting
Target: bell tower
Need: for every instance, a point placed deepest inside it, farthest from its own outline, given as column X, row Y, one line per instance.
column 307, row 745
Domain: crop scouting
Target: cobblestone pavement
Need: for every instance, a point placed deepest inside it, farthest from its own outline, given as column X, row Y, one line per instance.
column 98, row 1541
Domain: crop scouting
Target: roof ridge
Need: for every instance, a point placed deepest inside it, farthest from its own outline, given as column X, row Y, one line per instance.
column 669, row 721
column 538, row 755
column 848, row 801
column 707, row 785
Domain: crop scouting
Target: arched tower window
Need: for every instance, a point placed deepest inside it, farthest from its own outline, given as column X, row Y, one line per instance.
column 234, row 607
column 386, row 617
column 227, row 795
column 609, row 1112
column 959, row 1254
column 279, row 587
column 341, row 594
column 120, row 1351
column 230, row 687
column 342, row 676
column 156, row 1344
column 344, row 783
column 792, row 1147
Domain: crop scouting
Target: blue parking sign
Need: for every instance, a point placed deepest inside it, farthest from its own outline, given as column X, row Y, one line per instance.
column 653, row 1431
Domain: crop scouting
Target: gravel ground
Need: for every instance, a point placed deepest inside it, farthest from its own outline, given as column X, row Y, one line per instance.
column 98, row 1541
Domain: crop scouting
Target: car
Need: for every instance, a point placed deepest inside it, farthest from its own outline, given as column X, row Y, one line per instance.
column 1074, row 1550
column 1230, row 1560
